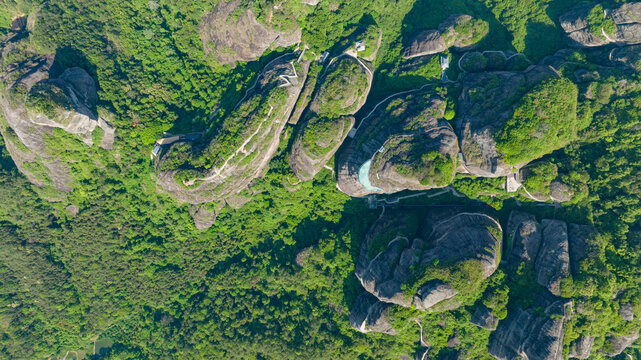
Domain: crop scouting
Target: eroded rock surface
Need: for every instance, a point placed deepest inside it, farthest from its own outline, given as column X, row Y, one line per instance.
column 616, row 343
column 484, row 318
column 370, row 314
column 403, row 144
column 33, row 104
column 581, row 348
column 528, row 335
column 486, row 102
column 590, row 25
column 243, row 144
column 553, row 263
column 231, row 37
column 342, row 92
column 465, row 242
column 458, row 31
column 578, row 236
column 524, row 235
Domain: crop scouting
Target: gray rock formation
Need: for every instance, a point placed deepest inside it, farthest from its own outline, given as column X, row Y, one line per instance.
column 234, row 163
column 581, row 348
column 524, row 235
column 370, row 314
column 433, row 293
column 203, row 217
column 616, row 343
column 484, row 318
column 626, row 57
column 620, row 25
column 560, row 192
column 232, row 38
column 404, row 143
column 578, row 236
column 458, row 31
column 342, row 92
column 626, row 311
column 553, row 262
column 485, row 104
column 455, row 240
column 526, row 335
column 33, row 104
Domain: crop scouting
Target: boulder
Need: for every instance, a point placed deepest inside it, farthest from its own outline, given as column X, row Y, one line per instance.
column 433, row 293
column 626, row 57
column 370, row 314
column 560, row 192
column 453, row 241
column 581, row 348
column 203, row 217
column 524, row 235
column 390, row 153
column 423, row 43
column 553, row 262
column 529, row 335
column 616, row 343
column 458, row 31
column 484, row 318
column 626, row 311
column 620, row 25
column 232, row 34
column 242, row 146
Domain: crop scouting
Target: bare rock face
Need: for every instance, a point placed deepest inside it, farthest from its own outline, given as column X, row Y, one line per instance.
column 484, row 318
column 33, row 104
column 459, row 31
column 626, row 311
column 626, row 57
column 464, row 239
column 581, row 348
column 404, row 143
column 426, row 42
column 578, row 236
column 230, row 37
column 560, row 192
column 524, row 233
column 203, row 217
column 553, row 263
column 589, row 25
column 243, row 144
column 342, row 92
column 433, row 293
column 370, row 314
column 485, row 104
column 616, row 343
column 526, row 335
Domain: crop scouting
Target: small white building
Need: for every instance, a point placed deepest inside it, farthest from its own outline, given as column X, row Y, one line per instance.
column 324, row 57
column 360, row 46
column 155, row 151
column 445, row 62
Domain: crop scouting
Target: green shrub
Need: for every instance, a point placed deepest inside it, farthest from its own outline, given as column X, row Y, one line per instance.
column 343, row 88
column 599, row 23
column 46, row 99
column 540, row 176
column 473, row 61
column 543, row 121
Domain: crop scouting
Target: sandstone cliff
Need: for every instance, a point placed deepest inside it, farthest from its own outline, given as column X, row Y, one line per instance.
column 243, row 143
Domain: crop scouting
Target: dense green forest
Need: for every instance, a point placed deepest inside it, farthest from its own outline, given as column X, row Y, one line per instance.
column 116, row 268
